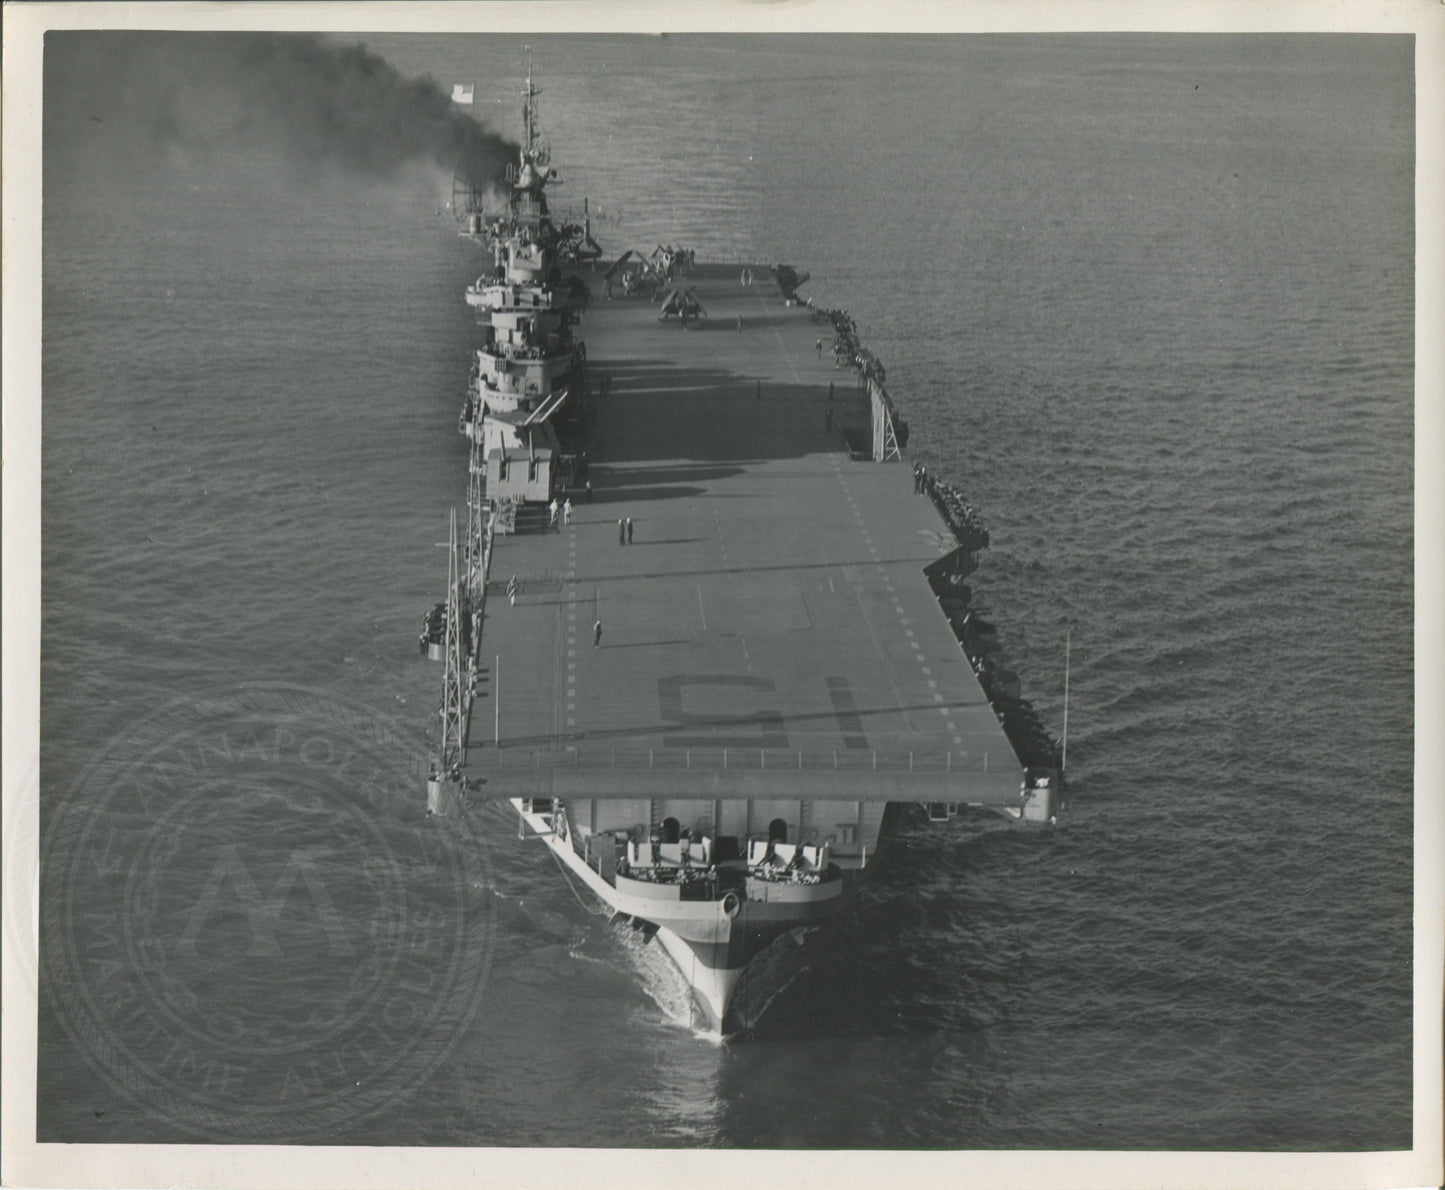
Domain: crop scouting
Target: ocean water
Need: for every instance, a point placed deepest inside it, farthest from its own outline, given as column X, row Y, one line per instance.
column 1148, row 299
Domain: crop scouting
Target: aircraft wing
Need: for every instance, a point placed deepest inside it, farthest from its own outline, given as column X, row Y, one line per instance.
column 617, row 265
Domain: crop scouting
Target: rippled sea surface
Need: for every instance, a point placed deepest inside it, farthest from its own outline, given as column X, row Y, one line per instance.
column 1147, row 299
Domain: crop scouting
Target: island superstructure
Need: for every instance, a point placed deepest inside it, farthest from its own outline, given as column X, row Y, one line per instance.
column 705, row 628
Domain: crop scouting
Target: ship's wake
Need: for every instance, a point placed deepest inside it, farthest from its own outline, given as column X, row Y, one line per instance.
column 767, row 977
column 662, row 982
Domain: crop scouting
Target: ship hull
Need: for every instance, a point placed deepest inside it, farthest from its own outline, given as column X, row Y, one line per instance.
column 712, row 943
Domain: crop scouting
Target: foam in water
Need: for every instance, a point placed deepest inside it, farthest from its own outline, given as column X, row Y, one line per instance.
column 662, row 982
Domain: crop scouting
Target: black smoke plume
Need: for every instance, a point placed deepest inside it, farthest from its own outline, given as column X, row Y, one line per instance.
column 112, row 97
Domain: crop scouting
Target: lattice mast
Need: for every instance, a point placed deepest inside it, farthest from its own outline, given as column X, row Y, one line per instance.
column 885, row 432
column 453, row 710
column 477, row 516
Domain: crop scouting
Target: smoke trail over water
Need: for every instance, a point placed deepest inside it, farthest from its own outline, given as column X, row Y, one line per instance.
column 118, row 98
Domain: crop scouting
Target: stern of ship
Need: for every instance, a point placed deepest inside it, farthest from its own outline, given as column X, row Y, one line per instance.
column 713, row 905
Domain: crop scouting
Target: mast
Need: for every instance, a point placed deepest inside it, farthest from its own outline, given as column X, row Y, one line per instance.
column 528, row 95
column 476, row 522
column 529, row 113
column 446, row 784
column 453, row 689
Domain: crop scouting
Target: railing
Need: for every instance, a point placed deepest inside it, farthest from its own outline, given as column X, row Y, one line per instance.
column 782, row 760
column 509, row 299
column 533, row 354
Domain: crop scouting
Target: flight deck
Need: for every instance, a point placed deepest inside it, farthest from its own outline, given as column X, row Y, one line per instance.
column 768, row 629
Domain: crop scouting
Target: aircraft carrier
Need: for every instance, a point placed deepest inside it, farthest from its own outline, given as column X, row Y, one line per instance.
column 705, row 626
